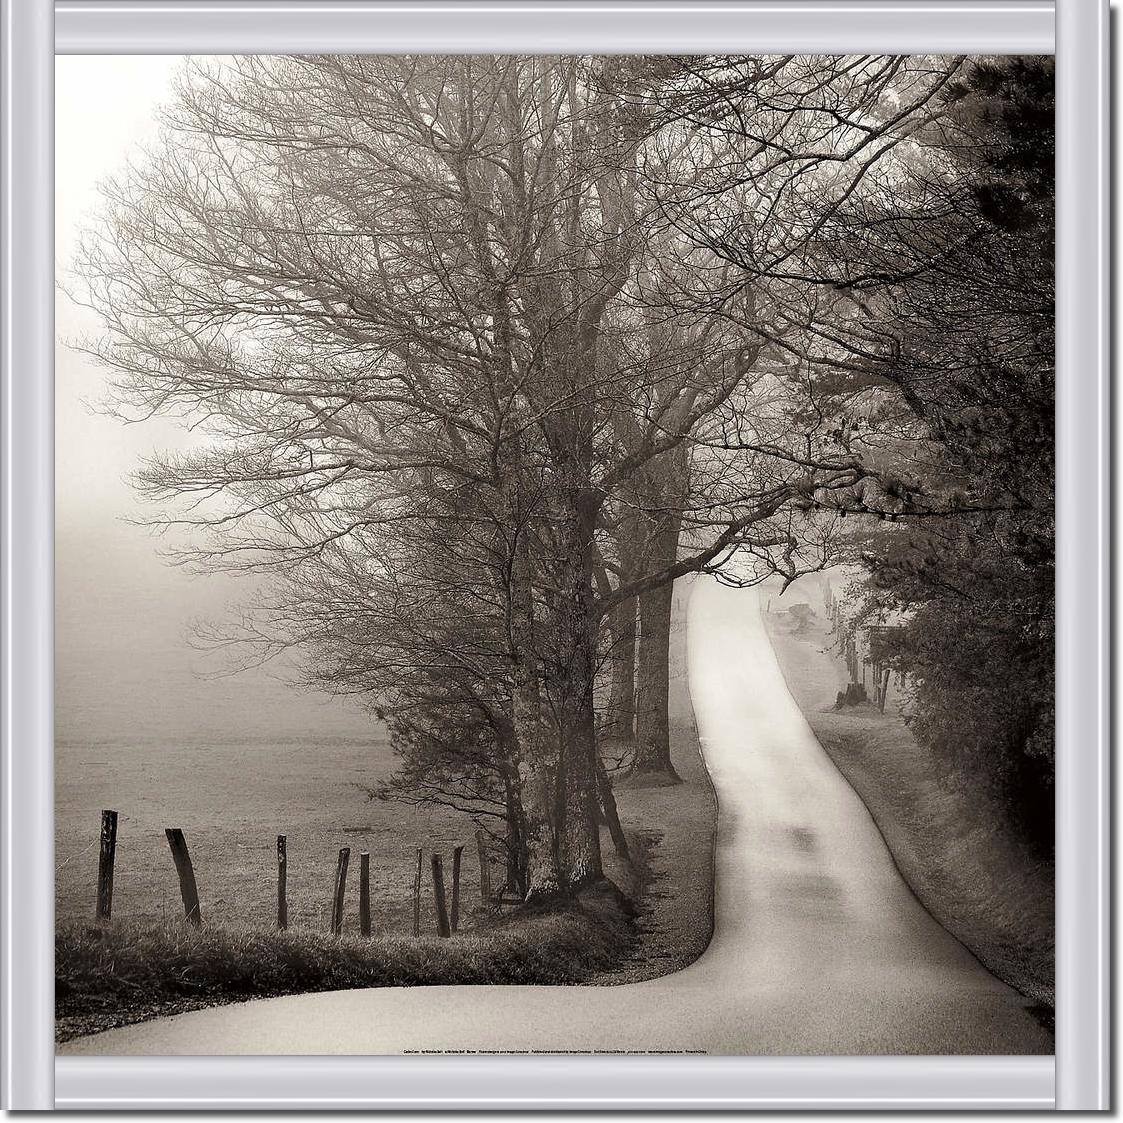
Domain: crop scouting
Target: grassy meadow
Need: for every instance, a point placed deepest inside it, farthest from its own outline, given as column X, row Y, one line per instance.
column 232, row 800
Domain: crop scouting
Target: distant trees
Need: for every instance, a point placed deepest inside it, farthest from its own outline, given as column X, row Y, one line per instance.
column 487, row 352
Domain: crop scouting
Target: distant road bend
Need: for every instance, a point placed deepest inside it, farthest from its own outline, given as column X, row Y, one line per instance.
column 819, row 946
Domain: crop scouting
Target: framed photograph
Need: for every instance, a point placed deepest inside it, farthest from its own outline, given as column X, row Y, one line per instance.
column 555, row 555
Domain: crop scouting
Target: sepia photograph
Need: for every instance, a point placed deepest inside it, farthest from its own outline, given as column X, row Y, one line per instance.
column 555, row 555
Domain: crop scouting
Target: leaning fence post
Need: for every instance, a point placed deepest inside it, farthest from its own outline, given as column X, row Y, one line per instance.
column 457, row 854
column 439, row 897
column 105, row 865
column 364, row 893
column 340, row 887
column 417, row 897
column 282, row 882
column 883, row 692
column 485, row 866
column 188, row 890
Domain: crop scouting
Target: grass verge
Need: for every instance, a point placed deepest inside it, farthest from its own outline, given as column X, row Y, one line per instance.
column 976, row 879
column 123, row 973
column 671, row 830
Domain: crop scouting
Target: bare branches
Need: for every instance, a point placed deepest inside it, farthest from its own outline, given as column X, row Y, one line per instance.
column 479, row 349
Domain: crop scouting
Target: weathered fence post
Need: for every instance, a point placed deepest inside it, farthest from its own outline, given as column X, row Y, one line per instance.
column 439, row 897
column 340, row 887
column 611, row 811
column 417, row 897
column 457, row 854
column 485, row 866
column 105, row 865
column 188, row 890
column 282, row 882
column 364, row 893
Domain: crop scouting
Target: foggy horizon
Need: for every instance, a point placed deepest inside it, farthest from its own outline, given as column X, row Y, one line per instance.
column 124, row 667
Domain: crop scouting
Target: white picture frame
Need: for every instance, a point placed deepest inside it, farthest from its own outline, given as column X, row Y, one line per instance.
column 33, row 31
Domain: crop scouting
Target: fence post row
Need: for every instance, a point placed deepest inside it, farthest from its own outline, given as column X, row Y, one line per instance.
column 364, row 893
column 340, row 887
column 439, row 898
column 105, row 859
column 188, row 890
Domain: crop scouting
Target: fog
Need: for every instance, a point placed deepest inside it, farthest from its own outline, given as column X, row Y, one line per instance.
column 125, row 668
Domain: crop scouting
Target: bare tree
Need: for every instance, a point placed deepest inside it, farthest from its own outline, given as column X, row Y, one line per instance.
column 403, row 294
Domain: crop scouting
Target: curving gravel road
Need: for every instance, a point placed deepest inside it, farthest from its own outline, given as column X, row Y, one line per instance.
column 819, row 946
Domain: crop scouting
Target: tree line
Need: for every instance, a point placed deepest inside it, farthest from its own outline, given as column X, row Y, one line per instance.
column 488, row 351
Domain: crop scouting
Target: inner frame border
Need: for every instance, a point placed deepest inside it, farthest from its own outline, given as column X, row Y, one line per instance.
column 28, row 28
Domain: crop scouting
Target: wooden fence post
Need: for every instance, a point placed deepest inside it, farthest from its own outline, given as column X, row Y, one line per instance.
column 105, row 865
column 485, row 866
column 417, row 897
column 439, row 897
column 883, row 690
column 340, row 887
column 282, row 882
column 457, row 854
column 188, row 890
column 364, row 893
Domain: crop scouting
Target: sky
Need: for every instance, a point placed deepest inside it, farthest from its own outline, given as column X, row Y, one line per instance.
column 125, row 668
column 104, row 112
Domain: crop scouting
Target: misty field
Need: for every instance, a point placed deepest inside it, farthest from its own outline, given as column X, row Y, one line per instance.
column 232, row 800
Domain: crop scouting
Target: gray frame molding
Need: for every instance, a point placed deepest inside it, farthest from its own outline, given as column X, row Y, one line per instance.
column 27, row 553
column 549, row 1083
column 27, row 1066
column 625, row 26
column 1083, row 557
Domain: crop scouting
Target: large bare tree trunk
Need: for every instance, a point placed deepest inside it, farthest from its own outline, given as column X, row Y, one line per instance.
column 653, row 734
column 620, row 717
column 620, row 720
column 513, row 844
column 577, row 281
column 539, row 841
column 580, row 854
column 653, row 738
column 579, row 836
column 666, row 485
